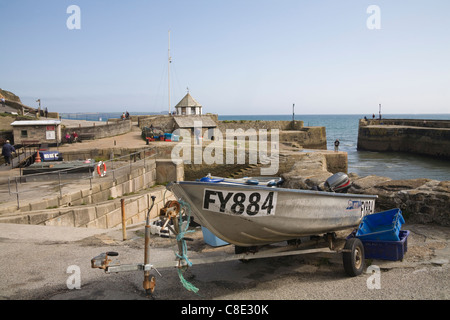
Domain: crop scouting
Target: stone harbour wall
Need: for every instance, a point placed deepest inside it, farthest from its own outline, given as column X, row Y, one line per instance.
column 105, row 214
column 100, row 206
column 421, row 200
column 405, row 136
column 259, row 124
column 101, row 131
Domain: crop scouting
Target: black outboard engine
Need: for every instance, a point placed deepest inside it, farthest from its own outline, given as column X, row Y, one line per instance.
column 338, row 182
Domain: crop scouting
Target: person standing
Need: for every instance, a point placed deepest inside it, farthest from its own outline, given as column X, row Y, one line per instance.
column 7, row 151
column 336, row 145
column 197, row 135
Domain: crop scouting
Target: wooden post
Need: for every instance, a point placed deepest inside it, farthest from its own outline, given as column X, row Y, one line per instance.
column 124, row 227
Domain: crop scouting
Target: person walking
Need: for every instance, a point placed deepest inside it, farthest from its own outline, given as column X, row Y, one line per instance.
column 7, row 151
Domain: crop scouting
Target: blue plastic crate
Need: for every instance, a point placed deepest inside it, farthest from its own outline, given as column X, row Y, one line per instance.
column 211, row 239
column 387, row 250
column 384, row 225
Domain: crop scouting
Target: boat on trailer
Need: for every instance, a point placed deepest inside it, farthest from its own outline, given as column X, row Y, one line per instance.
column 257, row 214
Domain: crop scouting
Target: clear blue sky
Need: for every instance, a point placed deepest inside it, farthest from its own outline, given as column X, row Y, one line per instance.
column 236, row 56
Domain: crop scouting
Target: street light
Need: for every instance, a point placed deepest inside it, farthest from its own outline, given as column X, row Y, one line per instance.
column 293, row 106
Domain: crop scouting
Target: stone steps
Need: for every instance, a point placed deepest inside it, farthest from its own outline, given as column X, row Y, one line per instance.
column 98, row 206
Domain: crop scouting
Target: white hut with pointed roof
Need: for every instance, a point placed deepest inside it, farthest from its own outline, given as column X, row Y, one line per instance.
column 188, row 106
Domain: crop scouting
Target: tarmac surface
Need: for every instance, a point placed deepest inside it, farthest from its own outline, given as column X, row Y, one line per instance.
column 45, row 263
column 38, row 264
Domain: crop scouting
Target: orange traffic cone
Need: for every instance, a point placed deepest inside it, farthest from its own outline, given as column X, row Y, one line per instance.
column 38, row 157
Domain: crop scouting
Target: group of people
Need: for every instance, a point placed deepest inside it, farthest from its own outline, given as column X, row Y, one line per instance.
column 43, row 113
column 125, row 115
column 373, row 117
column 70, row 138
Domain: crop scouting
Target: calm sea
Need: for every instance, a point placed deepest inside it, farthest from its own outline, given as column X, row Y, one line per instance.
column 394, row 165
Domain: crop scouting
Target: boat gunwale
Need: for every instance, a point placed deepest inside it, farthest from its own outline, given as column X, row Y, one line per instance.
column 265, row 188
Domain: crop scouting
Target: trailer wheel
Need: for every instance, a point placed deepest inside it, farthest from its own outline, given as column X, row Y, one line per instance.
column 353, row 257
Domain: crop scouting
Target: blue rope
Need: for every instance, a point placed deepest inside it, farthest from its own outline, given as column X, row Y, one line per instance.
column 189, row 286
column 180, row 238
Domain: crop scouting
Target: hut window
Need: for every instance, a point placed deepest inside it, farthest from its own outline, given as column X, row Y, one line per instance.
column 23, row 133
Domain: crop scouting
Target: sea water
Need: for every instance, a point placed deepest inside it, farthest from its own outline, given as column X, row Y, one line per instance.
column 395, row 165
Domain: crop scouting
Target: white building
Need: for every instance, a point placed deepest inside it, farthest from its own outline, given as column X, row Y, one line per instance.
column 188, row 106
column 35, row 132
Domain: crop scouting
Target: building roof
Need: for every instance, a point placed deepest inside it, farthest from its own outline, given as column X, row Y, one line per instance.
column 191, row 121
column 188, row 101
column 36, row 123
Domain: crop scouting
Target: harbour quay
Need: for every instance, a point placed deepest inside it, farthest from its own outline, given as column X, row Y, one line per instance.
column 418, row 136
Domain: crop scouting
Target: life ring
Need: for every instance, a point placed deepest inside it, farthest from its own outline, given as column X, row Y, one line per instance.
column 99, row 168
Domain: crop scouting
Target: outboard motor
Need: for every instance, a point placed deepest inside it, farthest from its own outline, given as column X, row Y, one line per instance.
column 338, row 182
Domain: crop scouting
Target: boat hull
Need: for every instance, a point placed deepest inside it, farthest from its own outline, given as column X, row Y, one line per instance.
column 256, row 215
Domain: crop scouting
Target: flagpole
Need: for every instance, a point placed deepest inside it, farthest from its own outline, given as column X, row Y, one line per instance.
column 170, row 61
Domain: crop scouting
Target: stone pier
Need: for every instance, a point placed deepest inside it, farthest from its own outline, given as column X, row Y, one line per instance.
column 427, row 137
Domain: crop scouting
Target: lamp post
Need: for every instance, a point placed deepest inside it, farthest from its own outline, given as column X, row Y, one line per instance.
column 39, row 109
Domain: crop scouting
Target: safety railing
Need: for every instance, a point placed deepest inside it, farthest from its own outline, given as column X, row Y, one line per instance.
column 91, row 170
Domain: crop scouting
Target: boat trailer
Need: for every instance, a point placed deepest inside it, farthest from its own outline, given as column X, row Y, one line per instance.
column 351, row 248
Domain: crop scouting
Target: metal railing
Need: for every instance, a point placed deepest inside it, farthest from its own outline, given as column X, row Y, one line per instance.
column 21, row 154
column 117, row 167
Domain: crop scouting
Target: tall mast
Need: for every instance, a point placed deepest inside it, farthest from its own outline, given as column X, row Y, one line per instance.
column 170, row 61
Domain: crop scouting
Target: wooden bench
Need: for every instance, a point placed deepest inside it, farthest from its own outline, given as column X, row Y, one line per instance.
column 86, row 136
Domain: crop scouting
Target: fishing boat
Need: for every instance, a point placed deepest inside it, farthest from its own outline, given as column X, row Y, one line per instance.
column 256, row 214
column 64, row 167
